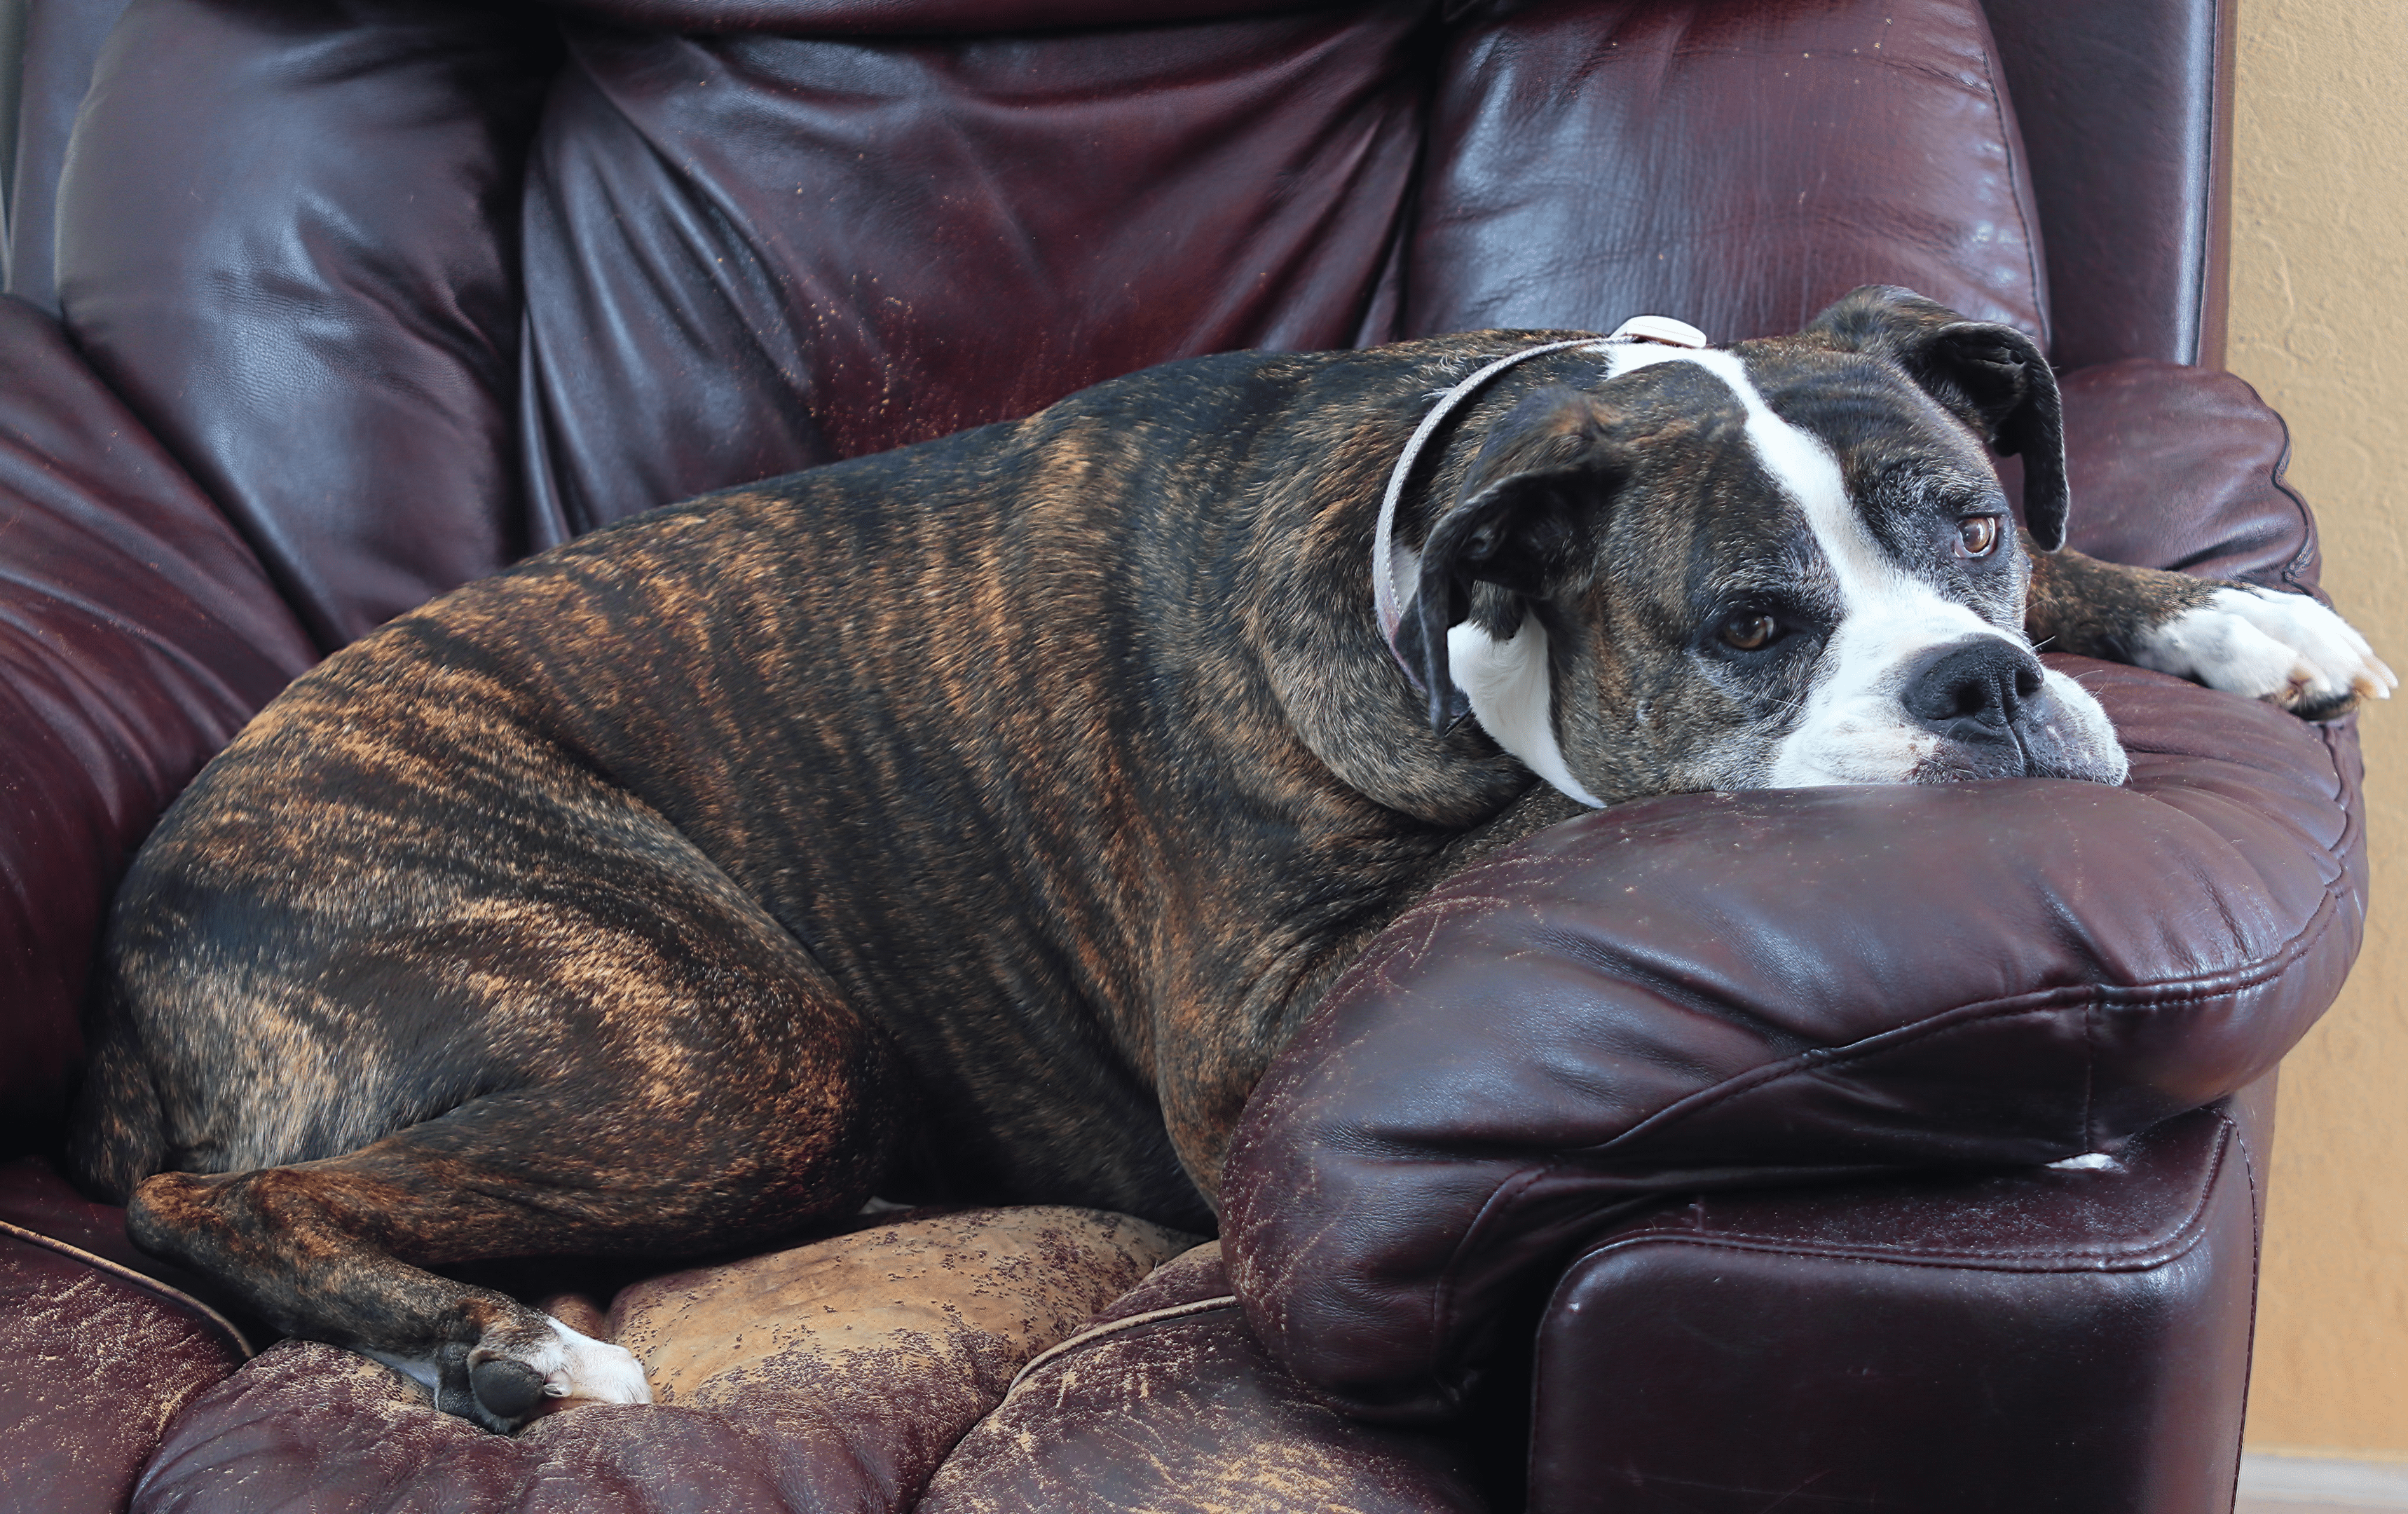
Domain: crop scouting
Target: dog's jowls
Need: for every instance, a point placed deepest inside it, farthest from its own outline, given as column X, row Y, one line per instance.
column 978, row 819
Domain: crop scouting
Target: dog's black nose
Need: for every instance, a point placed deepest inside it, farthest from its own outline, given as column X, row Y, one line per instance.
column 1974, row 690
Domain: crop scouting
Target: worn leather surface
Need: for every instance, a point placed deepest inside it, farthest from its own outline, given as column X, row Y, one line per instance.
column 1735, row 164
column 95, row 1363
column 34, row 1196
column 1187, row 1415
column 2098, row 1321
column 833, row 1376
column 1649, row 1001
column 136, row 634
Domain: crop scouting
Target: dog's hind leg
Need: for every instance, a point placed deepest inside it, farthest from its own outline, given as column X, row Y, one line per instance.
column 666, row 1143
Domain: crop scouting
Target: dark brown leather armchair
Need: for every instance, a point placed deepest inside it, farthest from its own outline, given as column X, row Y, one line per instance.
column 1694, row 1147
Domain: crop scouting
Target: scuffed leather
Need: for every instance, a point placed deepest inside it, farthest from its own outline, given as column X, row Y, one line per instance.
column 1188, row 1415
column 96, row 1369
column 831, row 1377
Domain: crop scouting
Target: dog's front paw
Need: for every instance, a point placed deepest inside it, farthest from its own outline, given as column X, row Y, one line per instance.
column 2285, row 648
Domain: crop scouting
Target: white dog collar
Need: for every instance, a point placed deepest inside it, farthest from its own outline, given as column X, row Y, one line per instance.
column 1387, row 557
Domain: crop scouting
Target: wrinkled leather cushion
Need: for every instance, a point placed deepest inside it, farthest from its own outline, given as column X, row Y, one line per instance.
column 1737, row 164
column 831, row 1377
column 747, row 254
column 1859, row 1331
column 1185, row 1414
column 137, row 635
column 1721, row 990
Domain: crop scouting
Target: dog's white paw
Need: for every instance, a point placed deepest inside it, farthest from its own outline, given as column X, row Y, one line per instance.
column 510, row 1381
column 580, row 1367
column 2282, row 647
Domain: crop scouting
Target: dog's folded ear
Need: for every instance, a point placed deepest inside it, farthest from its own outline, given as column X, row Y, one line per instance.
column 1525, row 522
column 1993, row 377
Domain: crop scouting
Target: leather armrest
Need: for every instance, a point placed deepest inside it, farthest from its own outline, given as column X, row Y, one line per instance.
column 2181, row 468
column 137, row 633
column 2074, row 1340
column 1717, row 991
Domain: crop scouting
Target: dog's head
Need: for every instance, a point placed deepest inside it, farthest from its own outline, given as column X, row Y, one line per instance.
column 1786, row 563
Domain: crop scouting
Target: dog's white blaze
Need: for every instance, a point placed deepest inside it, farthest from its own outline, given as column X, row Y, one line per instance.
column 1854, row 729
column 1513, row 697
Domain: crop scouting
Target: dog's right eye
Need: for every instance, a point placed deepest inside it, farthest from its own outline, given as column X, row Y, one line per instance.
column 1750, row 632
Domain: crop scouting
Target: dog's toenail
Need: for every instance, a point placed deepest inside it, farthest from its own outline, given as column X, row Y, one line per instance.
column 507, row 1388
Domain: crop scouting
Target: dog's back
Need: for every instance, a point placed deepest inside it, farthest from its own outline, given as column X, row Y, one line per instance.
column 948, row 731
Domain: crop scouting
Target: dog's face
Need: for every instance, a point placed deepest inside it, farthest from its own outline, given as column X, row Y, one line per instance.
column 1781, row 565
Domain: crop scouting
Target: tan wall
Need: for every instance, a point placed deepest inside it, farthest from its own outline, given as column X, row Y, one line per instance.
column 2320, row 326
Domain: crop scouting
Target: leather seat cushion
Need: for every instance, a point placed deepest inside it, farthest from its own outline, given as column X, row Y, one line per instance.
column 833, row 1376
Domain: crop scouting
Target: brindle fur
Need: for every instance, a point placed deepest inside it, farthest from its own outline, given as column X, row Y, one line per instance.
column 973, row 819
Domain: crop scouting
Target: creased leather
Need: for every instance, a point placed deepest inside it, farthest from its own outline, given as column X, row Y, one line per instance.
column 749, row 254
column 137, row 633
column 831, row 1377
column 94, row 1369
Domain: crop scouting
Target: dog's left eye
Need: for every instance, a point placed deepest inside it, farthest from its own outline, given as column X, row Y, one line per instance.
column 1977, row 535
column 1748, row 632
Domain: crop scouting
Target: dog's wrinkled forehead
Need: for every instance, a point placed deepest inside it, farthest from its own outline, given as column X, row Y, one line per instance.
column 1845, row 446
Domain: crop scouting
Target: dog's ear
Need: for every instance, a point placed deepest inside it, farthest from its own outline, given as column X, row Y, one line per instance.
column 1991, row 375
column 1526, row 522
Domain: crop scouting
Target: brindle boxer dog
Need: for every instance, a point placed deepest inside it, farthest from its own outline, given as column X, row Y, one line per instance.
column 980, row 818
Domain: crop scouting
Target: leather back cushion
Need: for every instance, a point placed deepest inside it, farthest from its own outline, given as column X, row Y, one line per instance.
column 746, row 254
column 1735, row 163
column 458, row 286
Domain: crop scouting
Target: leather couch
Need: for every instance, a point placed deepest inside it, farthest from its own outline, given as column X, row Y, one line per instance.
column 1853, row 1147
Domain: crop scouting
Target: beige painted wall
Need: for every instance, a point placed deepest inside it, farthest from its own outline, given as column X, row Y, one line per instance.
column 2320, row 326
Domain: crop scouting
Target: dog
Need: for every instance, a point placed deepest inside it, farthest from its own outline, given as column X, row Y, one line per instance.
column 976, row 820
